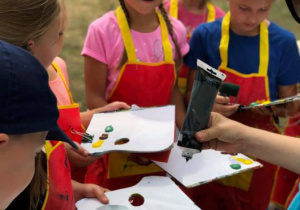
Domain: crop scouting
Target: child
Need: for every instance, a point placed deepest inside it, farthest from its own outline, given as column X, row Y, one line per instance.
column 130, row 56
column 43, row 39
column 263, row 59
column 191, row 14
column 24, row 125
column 30, row 31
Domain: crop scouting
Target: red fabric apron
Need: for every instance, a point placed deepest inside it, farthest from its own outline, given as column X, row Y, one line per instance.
column 144, row 84
column 59, row 190
column 70, row 122
column 287, row 182
column 250, row 190
column 211, row 16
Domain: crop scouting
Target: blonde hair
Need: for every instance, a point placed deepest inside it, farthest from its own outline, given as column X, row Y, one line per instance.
column 170, row 30
column 24, row 20
column 21, row 21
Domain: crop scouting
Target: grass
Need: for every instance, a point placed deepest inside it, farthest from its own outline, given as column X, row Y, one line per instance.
column 83, row 12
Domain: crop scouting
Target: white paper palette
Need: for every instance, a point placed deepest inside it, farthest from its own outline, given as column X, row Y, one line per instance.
column 158, row 193
column 207, row 166
column 148, row 130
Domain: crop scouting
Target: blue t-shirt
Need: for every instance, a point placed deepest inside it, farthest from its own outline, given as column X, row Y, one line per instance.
column 295, row 205
column 243, row 53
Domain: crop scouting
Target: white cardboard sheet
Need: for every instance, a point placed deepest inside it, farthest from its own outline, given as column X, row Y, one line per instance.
column 204, row 167
column 158, row 193
column 148, row 130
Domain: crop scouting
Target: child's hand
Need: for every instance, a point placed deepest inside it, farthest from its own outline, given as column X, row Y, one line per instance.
column 112, row 107
column 276, row 110
column 222, row 105
column 80, row 157
column 139, row 160
column 89, row 191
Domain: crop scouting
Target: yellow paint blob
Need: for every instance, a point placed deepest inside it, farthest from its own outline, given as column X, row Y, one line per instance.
column 97, row 144
column 266, row 102
column 242, row 160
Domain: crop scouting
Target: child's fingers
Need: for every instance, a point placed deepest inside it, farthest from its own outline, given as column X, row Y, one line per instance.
column 222, row 100
column 81, row 151
column 99, row 193
column 118, row 105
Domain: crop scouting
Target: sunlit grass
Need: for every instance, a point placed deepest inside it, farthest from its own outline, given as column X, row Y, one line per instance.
column 83, row 12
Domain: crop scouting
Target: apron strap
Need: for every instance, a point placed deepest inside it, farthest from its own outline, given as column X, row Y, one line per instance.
column 223, row 48
column 263, row 46
column 174, row 9
column 168, row 53
column 128, row 42
column 49, row 147
column 263, row 49
column 211, row 12
column 56, row 67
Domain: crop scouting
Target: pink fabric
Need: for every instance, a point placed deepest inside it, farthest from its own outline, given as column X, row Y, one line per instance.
column 190, row 20
column 104, row 43
column 57, row 85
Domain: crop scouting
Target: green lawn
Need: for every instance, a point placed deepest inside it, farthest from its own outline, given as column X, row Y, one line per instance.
column 83, row 12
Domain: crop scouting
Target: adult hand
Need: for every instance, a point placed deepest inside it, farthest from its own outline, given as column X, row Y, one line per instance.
column 80, row 157
column 89, row 191
column 222, row 105
column 223, row 135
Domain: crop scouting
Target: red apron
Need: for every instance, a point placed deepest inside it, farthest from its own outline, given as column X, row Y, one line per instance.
column 144, row 84
column 211, row 16
column 249, row 190
column 70, row 122
column 287, row 182
column 59, row 190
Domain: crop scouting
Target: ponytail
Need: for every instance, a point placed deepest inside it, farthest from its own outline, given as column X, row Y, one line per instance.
column 171, row 32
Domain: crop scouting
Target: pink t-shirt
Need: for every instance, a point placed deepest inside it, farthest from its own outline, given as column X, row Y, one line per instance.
column 190, row 20
column 57, row 85
column 105, row 44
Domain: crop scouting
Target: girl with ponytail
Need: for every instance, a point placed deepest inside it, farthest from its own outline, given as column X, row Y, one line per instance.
column 132, row 54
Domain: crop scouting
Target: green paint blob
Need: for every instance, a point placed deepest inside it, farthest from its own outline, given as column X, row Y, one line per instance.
column 109, row 129
column 253, row 104
column 235, row 166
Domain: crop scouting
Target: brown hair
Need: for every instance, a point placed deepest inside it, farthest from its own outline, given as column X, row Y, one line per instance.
column 38, row 185
column 170, row 30
column 24, row 20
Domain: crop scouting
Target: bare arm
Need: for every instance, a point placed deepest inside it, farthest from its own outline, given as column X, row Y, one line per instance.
column 177, row 99
column 231, row 136
column 95, row 74
column 87, row 116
